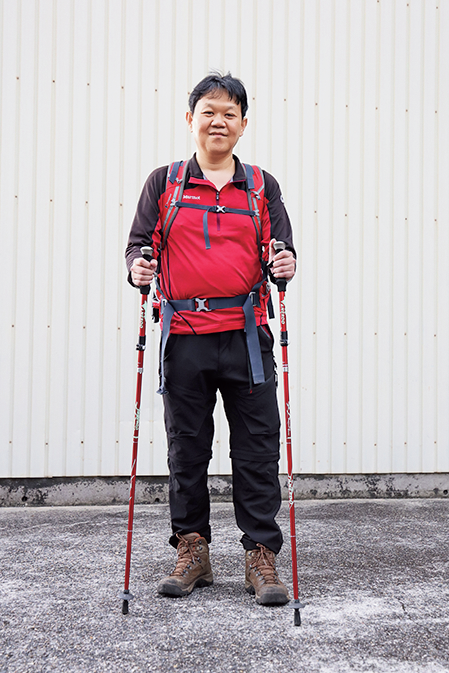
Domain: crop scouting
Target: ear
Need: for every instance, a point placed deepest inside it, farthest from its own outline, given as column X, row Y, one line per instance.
column 244, row 123
column 189, row 119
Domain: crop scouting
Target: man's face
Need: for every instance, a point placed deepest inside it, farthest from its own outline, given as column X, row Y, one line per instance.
column 216, row 124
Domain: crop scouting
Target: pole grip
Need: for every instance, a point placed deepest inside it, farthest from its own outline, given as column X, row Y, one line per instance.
column 279, row 245
column 147, row 253
column 280, row 282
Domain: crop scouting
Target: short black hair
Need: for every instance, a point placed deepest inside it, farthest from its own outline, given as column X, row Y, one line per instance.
column 216, row 82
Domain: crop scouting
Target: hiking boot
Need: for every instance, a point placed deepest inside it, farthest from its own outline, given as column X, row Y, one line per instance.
column 262, row 579
column 192, row 569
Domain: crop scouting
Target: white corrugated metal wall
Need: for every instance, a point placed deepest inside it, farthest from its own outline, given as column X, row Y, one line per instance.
column 349, row 109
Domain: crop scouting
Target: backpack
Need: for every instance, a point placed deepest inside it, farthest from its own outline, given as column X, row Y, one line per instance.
column 172, row 202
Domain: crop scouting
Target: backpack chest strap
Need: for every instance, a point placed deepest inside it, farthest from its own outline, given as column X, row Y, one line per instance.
column 212, row 209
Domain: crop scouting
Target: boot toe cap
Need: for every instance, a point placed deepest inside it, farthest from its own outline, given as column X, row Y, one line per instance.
column 274, row 595
column 169, row 587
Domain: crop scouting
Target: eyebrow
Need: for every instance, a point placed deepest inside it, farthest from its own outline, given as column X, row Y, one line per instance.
column 231, row 106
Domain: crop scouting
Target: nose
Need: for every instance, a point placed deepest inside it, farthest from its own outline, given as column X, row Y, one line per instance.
column 218, row 120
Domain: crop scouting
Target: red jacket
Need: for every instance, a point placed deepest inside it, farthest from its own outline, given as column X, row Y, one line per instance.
column 230, row 266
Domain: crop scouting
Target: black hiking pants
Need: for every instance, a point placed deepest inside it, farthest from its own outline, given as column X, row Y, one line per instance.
column 196, row 366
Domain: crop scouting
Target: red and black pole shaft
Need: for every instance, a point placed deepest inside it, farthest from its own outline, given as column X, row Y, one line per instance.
column 126, row 596
column 282, row 286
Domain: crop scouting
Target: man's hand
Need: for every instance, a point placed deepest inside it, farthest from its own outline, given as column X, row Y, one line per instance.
column 142, row 272
column 284, row 263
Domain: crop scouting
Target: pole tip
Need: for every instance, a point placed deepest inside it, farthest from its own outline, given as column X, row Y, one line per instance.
column 126, row 596
column 297, row 618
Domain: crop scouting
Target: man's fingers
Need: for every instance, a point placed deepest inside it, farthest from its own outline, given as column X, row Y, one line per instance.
column 142, row 271
column 284, row 265
column 140, row 261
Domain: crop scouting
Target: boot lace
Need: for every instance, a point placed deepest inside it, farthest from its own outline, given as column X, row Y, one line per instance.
column 186, row 556
column 264, row 566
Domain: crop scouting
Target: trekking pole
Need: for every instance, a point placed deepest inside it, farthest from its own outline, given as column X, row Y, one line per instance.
column 126, row 596
column 282, row 286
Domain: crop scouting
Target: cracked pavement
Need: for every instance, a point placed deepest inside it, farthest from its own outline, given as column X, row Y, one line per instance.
column 373, row 575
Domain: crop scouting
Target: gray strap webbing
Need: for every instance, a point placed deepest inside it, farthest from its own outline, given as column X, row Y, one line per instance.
column 168, row 315
column 173, row 174
column 252, row 340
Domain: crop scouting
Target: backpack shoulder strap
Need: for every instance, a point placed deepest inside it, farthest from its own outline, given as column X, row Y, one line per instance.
column 255, row 182
column 174, row 189
column 255, row 188
column 172, row 172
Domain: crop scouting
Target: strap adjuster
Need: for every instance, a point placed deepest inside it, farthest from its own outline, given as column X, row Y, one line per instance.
column 200, row 304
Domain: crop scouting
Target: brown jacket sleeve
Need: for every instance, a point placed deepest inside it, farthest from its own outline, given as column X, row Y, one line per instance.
column 146, row 217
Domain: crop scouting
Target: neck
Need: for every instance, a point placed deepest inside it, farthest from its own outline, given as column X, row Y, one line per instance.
column 216, row 164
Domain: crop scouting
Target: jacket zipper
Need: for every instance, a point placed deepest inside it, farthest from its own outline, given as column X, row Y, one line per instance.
column 217, row 198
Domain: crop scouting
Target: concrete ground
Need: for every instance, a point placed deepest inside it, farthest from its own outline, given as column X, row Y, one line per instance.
column 373, row 573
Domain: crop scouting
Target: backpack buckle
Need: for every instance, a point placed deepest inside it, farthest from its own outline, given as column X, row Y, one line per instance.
column 220, row 209
column 200, row 304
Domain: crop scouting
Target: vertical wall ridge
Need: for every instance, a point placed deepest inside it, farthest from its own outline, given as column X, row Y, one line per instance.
column 349, row 110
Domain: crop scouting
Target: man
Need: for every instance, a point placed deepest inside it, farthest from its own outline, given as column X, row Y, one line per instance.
column 212, row 262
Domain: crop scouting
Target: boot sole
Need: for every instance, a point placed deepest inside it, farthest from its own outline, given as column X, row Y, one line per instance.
column 169, row 589
column 269, row 598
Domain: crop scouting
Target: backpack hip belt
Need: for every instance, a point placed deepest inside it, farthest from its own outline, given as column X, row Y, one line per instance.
column 247, row 301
